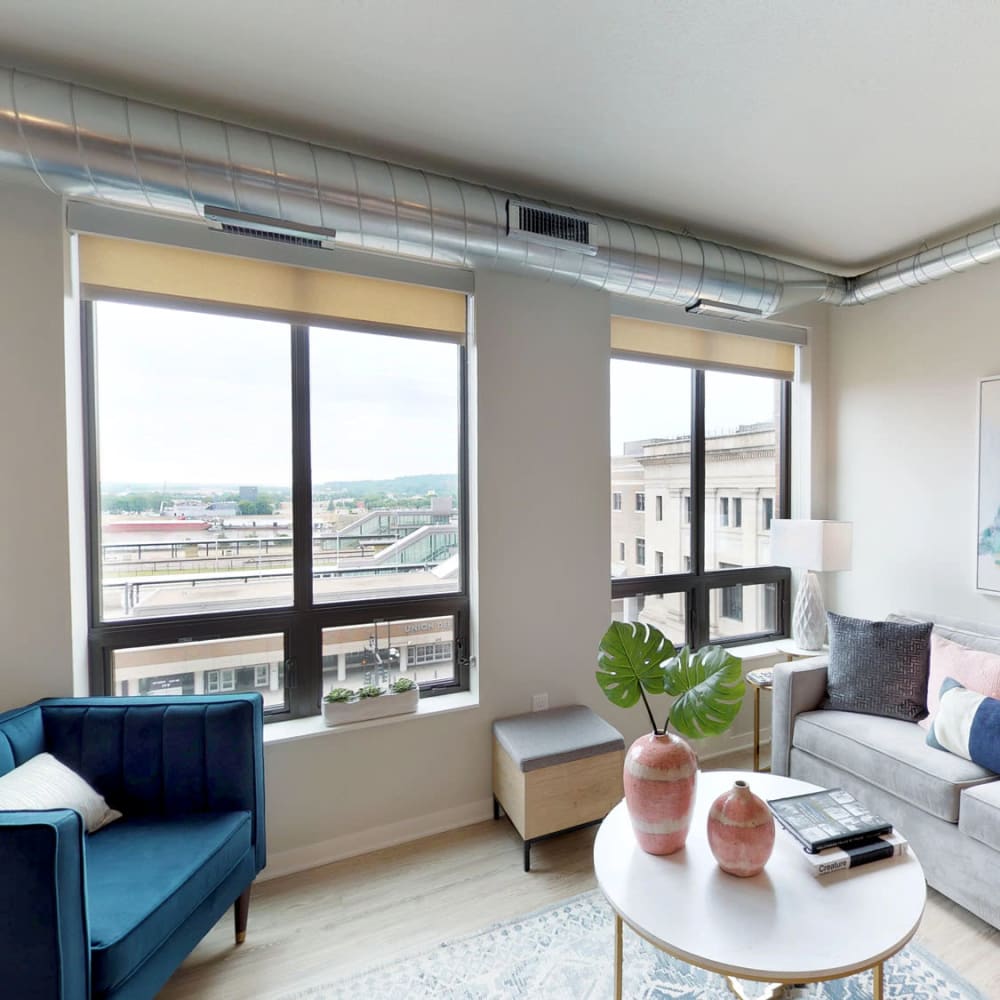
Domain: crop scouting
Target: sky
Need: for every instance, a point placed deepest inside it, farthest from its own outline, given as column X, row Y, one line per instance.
column 186, row 398
column 195, row 398
column 651, row 400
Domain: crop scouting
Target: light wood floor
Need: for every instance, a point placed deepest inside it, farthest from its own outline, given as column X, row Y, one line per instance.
column 315, row 926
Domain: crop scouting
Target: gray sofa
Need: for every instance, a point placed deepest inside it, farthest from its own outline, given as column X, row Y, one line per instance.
column 947, row 807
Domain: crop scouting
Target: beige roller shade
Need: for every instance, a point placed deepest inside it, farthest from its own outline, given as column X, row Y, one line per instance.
column 707, row 348
column 113, row 266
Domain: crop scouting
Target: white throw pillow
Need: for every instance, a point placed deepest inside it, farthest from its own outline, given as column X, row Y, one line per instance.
column 45, row 783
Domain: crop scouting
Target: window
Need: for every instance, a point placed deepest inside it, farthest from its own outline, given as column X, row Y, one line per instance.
column 732, row 598
column 258, row 486
column 621, row 551
column 616, row 501
column 640, row 551
column 766, row 513
column 688, row 433
column 732, row 603
column 220, row 680
column 640, row 501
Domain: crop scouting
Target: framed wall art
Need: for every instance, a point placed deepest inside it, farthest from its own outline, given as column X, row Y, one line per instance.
column 988, row 528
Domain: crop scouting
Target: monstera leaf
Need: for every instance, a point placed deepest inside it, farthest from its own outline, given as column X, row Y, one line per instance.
column 708, row 686
column 631, row 662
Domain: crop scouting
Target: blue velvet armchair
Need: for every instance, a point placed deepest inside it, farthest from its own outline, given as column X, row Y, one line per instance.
column 112, row 914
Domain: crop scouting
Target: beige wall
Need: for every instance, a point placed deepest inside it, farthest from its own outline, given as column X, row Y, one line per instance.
column 41, row 644
column 541, row 544
column 903, row 456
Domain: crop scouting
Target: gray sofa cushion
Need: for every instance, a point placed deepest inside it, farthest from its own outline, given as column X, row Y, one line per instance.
column 892, row 755
column 980, row 816
column 975, row 635
column 879, row 668
column 556, row 736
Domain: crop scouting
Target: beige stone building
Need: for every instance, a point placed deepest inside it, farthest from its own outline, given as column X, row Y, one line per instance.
column 651, row 524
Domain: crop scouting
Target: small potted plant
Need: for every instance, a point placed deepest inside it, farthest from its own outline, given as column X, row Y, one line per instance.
column 637, row 660
column 342, row 705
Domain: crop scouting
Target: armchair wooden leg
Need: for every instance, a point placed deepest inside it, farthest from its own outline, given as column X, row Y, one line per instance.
column 241, row 910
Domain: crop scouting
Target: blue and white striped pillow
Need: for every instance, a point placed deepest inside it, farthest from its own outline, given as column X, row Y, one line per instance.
column 967, row 724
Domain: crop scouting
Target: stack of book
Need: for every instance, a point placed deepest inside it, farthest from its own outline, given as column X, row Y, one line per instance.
column 836, row 831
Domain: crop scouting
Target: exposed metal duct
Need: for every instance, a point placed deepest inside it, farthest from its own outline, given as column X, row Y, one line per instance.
column 85, row 144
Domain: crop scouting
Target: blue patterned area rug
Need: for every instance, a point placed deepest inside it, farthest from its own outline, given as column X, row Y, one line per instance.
column 566, row 952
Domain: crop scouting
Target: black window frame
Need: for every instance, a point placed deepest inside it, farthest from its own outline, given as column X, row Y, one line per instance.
column 698, row 583
column 303, row 621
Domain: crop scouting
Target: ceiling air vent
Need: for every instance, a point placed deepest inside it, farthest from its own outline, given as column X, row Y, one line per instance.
column 542, row 225
column 262, row 228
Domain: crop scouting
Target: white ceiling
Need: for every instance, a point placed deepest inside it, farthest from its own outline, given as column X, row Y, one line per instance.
column 841, row 134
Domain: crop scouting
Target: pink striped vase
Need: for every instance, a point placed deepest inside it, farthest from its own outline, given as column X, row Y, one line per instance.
column 740, row 831
column 660, row 774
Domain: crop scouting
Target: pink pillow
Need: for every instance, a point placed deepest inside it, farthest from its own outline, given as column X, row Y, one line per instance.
column 972, row 668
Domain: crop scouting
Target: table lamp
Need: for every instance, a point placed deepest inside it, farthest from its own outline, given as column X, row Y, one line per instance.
column 816, row 547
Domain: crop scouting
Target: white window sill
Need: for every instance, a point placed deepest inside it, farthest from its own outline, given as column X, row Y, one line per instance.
column 313, row 726
column 769, row 649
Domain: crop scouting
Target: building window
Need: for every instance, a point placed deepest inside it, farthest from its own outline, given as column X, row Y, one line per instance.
column 265, row 529
column 659, row 507
column 428, row 653
column 621, row 551
column 217, row 681
column 732, row 602
column 640, row 551
column 766, row 513
column 691, row 433
column 616, row 501
column 640, row 501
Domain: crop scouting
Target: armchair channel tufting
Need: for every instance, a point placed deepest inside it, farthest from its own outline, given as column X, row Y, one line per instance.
column 111, row 915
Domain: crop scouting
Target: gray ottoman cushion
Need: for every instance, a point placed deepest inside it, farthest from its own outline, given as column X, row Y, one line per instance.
column 892, row 755
column 980, row 817
column 557, row 736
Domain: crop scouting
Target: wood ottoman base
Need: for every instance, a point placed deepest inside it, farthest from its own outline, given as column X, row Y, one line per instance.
column 555, row 771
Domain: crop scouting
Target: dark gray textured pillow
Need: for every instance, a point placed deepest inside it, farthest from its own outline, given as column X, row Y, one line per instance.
column 879, row 668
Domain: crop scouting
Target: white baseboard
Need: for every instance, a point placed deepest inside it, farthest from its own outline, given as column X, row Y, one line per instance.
column 350, row 845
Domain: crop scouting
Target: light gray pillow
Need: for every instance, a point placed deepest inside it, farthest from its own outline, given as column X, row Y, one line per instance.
column 879, row 668
column 43, row 782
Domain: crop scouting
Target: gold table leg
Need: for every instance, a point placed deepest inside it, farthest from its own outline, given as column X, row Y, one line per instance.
column 877, row 982
column 618, row 957
column 756, row 728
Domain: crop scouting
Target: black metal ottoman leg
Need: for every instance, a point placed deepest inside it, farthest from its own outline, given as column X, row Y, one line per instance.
column 527, row 855
column 496, row 808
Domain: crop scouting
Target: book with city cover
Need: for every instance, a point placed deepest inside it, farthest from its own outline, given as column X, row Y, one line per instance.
column 828, row 818
column 835, row 859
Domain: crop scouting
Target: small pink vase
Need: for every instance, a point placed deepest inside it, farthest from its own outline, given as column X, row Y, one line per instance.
column 740, row 831
column 660, row 774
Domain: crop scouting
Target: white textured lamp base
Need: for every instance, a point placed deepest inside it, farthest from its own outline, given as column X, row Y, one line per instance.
column 809, row 615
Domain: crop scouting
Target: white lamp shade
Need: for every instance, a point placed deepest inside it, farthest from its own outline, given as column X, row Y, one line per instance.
column 821, row 546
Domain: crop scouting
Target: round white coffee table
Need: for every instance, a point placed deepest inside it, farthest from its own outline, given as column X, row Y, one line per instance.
column 782, row 926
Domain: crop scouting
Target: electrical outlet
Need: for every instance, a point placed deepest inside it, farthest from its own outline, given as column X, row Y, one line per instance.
column 539, row 702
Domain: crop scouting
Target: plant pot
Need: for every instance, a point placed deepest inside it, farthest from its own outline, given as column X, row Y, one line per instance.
column 740, row 831
column 340, row 713
column 660, row 776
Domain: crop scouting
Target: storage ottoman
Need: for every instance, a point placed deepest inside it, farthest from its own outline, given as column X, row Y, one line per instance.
column 555, row 771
